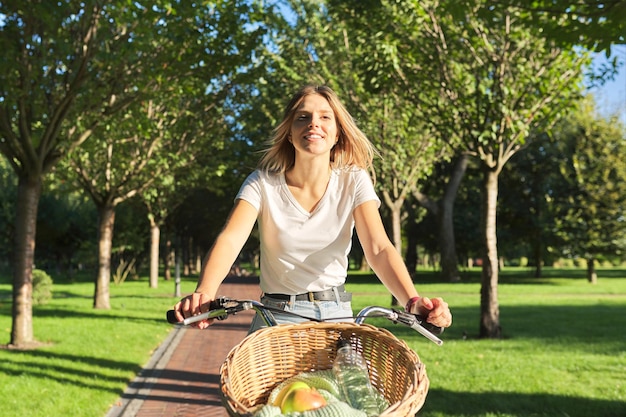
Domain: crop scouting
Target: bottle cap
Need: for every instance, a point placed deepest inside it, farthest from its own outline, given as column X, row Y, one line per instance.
column 342, row 342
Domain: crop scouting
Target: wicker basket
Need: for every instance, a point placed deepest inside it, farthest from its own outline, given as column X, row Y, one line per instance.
column 267, row 357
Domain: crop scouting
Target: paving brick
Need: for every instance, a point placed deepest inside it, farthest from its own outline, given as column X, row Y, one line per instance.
column 182, row 379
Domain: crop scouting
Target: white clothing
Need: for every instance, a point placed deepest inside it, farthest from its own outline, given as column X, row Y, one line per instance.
column 302, row 251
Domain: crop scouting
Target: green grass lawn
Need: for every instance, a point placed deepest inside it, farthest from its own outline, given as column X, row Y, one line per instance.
column 90, row 356
column 563, row 352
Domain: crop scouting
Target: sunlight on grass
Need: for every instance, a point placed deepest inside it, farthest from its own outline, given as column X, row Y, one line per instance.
column 563, row 352
column 90, row 355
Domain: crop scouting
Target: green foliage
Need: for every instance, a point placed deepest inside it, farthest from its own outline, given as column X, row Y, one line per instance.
column 591, row 213
column 170, row 101
column 593, row 24
column 42, row 287
column 571, row 186
column 8, row 195
column 66, row 225
column 526, row 221
column 501, row 78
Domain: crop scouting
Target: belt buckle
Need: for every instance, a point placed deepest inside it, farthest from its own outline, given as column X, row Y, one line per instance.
column 311, row 297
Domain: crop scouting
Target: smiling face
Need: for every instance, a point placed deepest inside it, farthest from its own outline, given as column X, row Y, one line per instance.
column 314, row 127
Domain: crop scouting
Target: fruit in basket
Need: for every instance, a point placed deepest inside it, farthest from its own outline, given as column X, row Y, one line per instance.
column 301, row 399
column 322, row 380
column 287, row 389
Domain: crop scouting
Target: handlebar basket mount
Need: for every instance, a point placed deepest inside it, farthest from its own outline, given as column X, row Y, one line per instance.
column 265, row 358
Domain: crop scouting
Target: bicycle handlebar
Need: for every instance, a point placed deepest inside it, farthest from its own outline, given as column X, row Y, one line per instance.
column 222, row 307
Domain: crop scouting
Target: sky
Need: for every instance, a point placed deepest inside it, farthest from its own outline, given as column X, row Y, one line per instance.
column 611, row 97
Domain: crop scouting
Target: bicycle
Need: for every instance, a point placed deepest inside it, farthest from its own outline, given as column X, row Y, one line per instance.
column 265, row 358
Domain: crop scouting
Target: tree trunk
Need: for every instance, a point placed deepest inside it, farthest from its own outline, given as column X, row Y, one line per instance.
column 592, row 276
column 106, row 217
column 396, row 226
column 410, row 257
column 447, row 246
column 198, row 266
column 155, row 233
column 443, row 210
column 185, row 256
column 28, row 194
column 489, row 309
column 363, row 268
column 538, row 250
column 447, row 242
column 167, row 256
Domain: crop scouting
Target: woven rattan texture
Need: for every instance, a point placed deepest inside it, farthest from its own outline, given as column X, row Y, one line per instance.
column 269, row 356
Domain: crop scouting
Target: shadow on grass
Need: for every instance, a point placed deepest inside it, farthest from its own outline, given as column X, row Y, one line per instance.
column 507, row 275
column 6, row 294
column 79, row 370
column 470, row 404
column 599, row 324
column 108, row 315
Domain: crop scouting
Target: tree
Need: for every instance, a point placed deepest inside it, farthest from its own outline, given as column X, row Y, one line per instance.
column 120, row 161
column 70, row 66
column 341, row 50
column 497, row 80
column 590, row 217
column 209, row 161
column 593, row 24
column 49, row 66
column 65, row 222
column 531, row 195
column 8, row 191
column 443, row 211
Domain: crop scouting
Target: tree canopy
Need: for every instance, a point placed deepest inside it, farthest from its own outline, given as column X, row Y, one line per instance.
column 152, row 99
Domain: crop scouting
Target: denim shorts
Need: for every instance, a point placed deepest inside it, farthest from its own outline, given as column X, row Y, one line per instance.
column 337, row 311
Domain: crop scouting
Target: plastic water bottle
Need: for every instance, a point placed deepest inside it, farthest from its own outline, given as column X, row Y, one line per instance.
column 351, row 372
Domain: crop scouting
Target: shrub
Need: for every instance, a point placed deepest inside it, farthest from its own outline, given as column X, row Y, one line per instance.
column 42, row 287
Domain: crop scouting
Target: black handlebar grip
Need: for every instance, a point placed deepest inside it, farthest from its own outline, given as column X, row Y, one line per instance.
column 171, row 317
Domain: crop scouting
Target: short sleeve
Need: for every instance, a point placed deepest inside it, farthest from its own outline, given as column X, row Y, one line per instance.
column 250, row 190
column 364, row 189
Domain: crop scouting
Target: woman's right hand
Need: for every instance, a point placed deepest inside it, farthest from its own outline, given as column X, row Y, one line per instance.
column 192, row 305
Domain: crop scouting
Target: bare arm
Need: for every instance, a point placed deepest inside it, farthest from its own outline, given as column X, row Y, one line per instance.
column 219, row 260
column 389, row 265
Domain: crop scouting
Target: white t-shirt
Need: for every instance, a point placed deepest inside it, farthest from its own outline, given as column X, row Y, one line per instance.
column 302, row 251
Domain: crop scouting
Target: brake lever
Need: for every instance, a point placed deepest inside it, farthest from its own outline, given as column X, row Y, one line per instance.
column 420, row 325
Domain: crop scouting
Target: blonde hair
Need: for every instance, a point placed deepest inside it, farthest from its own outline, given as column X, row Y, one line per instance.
column 353, row 148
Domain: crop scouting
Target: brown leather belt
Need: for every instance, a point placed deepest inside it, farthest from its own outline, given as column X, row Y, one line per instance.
column 326, row 295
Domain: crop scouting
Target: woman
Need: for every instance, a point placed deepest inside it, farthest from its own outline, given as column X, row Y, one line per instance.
column 310, row 191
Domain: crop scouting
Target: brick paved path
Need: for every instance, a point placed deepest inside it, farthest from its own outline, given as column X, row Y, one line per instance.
column 182, row 378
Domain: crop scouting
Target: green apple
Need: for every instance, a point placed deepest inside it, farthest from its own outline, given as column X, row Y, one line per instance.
column 302, row 399
column 287, row 389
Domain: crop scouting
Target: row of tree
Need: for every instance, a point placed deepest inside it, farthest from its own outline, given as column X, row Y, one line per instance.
column 166, row 102
column 544, row 194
